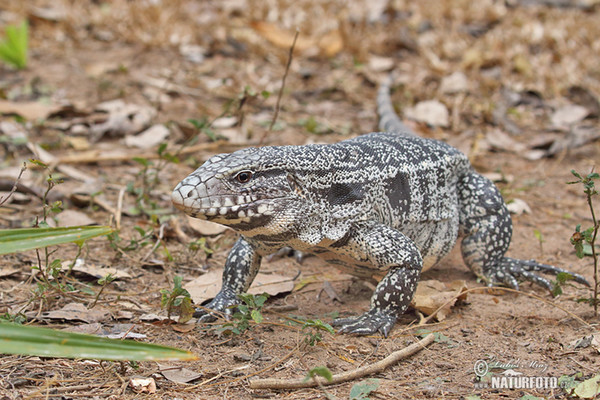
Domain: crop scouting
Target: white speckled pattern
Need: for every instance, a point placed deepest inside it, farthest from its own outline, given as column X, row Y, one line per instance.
column 387, row 201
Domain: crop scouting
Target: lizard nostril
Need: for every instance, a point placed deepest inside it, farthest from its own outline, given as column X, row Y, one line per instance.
column 190, row 194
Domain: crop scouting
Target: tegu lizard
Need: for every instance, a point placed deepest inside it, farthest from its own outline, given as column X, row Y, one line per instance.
column 385, row 203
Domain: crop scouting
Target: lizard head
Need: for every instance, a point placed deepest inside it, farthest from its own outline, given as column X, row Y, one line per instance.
column 241, row 190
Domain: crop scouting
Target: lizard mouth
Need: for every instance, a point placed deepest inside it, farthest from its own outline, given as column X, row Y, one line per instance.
column 195, row 201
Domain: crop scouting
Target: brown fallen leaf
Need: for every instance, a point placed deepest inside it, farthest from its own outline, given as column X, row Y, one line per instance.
column 96, row 271
column 178, row 374
column 207, row 286
column 328, row 44
column 148, row 138
column 30, row 110
column 432, row 294
column 74, row 218
column 77, row 312
column 143, row 385
column 500, row 140
column 281, row 38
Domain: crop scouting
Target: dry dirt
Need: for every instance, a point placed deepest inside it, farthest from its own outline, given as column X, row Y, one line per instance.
column 87, row 52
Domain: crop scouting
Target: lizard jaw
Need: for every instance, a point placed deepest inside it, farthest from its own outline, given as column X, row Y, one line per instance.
column 194, row 199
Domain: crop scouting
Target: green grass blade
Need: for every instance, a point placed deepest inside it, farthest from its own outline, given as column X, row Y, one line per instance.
column 16, row 240
column 43, row 342
column 13, row 49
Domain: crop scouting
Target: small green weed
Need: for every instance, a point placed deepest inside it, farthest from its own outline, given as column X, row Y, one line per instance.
column 312, row 331
column 586, row 239
column 362, row 389
column 250, row 310
column 13, row 48
column 149, row 175
column 177, row 297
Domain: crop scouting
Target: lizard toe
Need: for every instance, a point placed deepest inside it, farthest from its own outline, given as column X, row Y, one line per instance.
column 367, row 324
column 221, row 305
column 508, row 270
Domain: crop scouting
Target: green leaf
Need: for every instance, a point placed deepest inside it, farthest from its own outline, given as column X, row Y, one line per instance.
column 361, row 390
column 256, row 316
column 13, row 49
column 22, row 239
column 319, row 371
column 43, row 342
column 588, row 389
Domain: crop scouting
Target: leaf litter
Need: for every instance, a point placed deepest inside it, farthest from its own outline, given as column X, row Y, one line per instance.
column 516, row 77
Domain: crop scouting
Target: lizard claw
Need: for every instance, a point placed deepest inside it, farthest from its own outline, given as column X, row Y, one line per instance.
column 509, row 269
column 221, row 305
column 368, row 323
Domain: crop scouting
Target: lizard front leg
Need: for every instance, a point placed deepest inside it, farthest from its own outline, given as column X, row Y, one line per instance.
column 241, row 267
column 385, row 248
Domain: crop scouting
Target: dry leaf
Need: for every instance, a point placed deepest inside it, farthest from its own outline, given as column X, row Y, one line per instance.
column 207, row 286
column 281, row 37
column 143, row 385
column 502, row 141
column 77, row 312
column 149, row 138
column 518, row 207
column 123, row 118
column 9, row 271
column 381, row 64
column 96, row 271
column 74, row 218
column 178, row 374
column 454, row 83
column 568, row 115
column 431, row 112
column 432, row 294
column 30, row 110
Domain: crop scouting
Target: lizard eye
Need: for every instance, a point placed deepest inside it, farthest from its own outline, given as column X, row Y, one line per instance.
column 244, row 176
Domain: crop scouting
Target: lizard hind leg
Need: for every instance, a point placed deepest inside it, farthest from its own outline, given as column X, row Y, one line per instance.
column 486, row 226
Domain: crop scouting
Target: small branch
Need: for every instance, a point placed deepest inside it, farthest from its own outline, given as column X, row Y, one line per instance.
column 285, row 74
column 15, row 185
column 481, row 289
column 374, row 368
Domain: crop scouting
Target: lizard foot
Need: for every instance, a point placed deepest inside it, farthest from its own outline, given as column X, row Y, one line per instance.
column 221, row 303
column 508, row 270
column 370, row 322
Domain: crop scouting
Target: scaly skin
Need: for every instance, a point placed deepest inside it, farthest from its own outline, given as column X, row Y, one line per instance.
column 389, row 202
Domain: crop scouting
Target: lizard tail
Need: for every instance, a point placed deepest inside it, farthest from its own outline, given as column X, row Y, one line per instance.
column 388, row 119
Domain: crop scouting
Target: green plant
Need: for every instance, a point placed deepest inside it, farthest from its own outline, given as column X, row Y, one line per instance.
column 362, row 389
column 149, row 176
column 202, row 125
column 312, row 331
column 587, row 238
column 250, row 310
column 13, row 48
column 540, row 238
column 44, row 342
column 177, row 297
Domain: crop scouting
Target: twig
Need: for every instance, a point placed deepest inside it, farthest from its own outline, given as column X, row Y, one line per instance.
column 370, row 369
column 271, row 366
column 15, row 185
column 93, row 156
column 280, row 94
column 482, row 289
column 119, row 210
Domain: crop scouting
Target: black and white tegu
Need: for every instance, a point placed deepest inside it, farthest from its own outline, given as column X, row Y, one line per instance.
column 382, row 203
